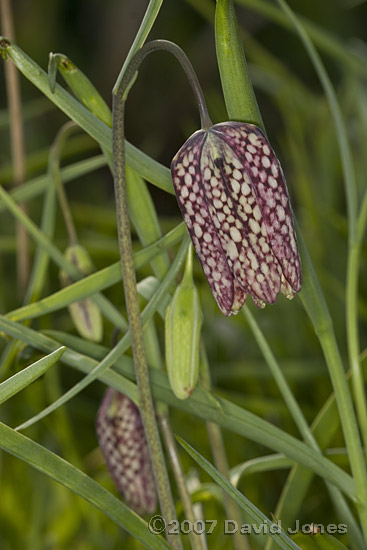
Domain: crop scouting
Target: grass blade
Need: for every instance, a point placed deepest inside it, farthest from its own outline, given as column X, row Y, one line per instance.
column 64, row 473
column 148, row 168
column 200, row 404
column 279, row 538
column 22, row 379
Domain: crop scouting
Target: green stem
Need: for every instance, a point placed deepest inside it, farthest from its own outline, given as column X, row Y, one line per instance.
column 197, row 541
column 352, row 322
column 132, row 303
column 315, row 305
column 311, row 294
column 142, row 34
column 220, row 457
column 120, row 93
column 122, row 86
column 327, row 337
column 238, row 92
column 54, row 170
column 338, row 499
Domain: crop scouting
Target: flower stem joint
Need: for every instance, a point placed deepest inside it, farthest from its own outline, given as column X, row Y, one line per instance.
column 232, row 194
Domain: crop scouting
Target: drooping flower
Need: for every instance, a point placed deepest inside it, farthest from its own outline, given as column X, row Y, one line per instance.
column 122, row 439
column 233, row 197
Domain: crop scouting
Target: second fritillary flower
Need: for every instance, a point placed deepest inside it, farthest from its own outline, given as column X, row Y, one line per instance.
column 233, row 196
column 122, row 439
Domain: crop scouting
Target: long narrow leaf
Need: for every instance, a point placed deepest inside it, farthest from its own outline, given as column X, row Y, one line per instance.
column 148, row 168
column 223, row 412
column 22, row 379
column 260, row 519
column 64, row 473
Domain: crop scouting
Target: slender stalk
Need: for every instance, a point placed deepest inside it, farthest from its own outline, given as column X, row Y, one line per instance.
column 338, row 499
column 132, row 303
column 327, row 338
column 54, row 170
column 352, row 322
column 123, row 85
column 154, row 359
column 311, row 294
column 316, row 308
column 197, row 541
column 140, row 37
column 220, row 457
column 17, row 145
column 120, row 93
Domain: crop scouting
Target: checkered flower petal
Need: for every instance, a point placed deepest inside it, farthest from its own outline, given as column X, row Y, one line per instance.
column 233, row 197
column 121, row 437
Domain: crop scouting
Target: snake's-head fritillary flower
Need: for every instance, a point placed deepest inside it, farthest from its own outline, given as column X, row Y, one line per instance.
column 234, row 200
column 122, row 439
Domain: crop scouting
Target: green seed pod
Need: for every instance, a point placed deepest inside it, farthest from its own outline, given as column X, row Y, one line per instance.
column 183, row 324
column 85, row 314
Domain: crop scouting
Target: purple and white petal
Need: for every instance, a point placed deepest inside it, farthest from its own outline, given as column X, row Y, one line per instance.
column 238, row 219
column 190, row 193
column 122, row 439
column 234, row 200
column 259, row 160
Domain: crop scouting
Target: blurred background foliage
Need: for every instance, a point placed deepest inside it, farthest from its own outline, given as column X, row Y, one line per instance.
column 36, row 513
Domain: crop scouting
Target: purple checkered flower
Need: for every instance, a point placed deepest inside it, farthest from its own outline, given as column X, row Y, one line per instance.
column 122, row 439
column 234, row 200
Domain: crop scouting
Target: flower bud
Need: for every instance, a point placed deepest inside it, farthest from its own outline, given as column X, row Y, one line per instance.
column 85, row 313
column 122, row 439
column 182, row 335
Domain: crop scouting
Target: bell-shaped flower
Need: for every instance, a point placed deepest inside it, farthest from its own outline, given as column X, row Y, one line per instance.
column 122, row 439
column 233, row 197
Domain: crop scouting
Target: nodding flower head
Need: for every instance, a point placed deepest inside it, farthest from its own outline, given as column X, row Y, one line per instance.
column 233, row 197
column 122, row 439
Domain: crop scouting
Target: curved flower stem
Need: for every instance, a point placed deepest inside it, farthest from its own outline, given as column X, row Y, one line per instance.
column 132, row 303
column 146, row 406
column 147, row 23
column 123, row 85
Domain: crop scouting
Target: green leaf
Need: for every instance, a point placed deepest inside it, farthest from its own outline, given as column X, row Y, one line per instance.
column 227, row 414
column 260, row 464
column 322, row 38
column 322, row 541
column 237, row 88
column 148, row 168
column 36, row 186
column 96, row 281
column 122, row 346
column 255, row 514
column 64, row 473
column 22, row 379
